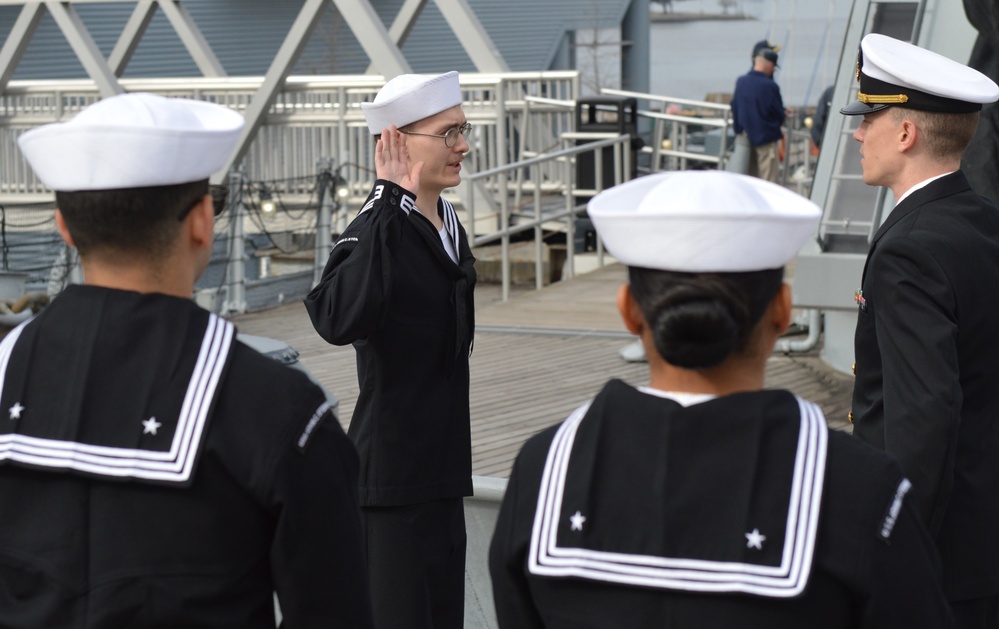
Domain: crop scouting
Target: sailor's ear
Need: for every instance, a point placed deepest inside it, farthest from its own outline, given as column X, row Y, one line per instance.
column 200, row 223
column 631, row 314
column 780, row 309
column 63, row 230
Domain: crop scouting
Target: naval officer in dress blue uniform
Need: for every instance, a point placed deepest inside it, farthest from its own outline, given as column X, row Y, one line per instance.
column 927, row 339
column 154, row 471
column 702, row 500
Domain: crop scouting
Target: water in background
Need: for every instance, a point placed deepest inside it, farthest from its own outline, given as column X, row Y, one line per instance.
column 691, row 59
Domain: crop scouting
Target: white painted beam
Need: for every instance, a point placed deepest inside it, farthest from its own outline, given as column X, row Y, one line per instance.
column 192, row 38
column 274, row 80
column 130, row 36
column 472, row 36
column 18, row 40
column 385, row 56
column 83, row 45
column 402, row 25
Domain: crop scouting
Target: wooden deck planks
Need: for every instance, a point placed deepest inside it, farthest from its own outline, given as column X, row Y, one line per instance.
column 537, row 357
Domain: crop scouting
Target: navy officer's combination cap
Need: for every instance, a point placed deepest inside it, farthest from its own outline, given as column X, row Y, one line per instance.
column 893, row 73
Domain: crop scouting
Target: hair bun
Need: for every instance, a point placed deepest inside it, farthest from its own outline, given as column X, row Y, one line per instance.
column 699, row 326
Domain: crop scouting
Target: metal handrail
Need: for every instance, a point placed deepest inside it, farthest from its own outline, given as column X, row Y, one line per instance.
column 666, row 99
column 568, row 214
column 718, row 115
column 319, row 118
column 311, row 118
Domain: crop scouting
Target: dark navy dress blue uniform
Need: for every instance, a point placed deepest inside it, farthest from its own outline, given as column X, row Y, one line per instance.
column 927, row 346
column 148, row 478
column 391, row 289
column 740, row 511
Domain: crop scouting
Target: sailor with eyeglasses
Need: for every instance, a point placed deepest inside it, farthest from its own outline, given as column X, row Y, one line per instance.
column 398, row 286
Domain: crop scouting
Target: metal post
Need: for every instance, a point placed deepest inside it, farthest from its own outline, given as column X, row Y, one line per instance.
column 235, row 302
column 598, row 170
column 327, row 205
column 470, row 208
column 539, row 244
column 505, row 240
column 518, row 186
column 569, row 177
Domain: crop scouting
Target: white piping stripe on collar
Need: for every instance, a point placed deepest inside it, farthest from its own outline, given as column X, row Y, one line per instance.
column 408, row 204
column 546, row 558
column 450, row 218
column 174, row 465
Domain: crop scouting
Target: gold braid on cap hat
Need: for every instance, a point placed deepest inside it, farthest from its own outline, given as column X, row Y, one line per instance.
column 877, row 99
column 882, row 99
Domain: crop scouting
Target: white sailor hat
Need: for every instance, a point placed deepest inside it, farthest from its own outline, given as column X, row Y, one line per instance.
column 895, row 73
column 133, row 141
column 411, row 97
column 703, row 222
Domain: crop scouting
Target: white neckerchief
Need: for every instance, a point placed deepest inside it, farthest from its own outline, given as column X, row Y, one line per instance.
column 450, row 218
column 448, row 244
column 682, row 398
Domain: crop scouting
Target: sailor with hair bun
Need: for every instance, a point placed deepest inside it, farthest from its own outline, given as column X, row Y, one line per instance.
column 701, row 499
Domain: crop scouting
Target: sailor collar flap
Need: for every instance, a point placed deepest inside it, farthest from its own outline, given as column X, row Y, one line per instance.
column 397, row 197
column 112, row 384
column 727, row 500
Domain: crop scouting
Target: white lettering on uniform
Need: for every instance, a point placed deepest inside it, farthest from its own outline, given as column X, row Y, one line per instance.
column 896, row 506
column 303, row 440
column 343, row 240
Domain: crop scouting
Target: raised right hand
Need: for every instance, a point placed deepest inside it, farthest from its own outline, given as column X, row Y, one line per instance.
column 392, row 161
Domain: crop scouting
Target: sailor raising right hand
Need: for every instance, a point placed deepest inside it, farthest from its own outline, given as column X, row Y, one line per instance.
column 398, row 286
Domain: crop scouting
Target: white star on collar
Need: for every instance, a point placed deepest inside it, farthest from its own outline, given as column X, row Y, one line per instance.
column 15, row 411
column 755, row 539
column 577, row 521
column 150, row 426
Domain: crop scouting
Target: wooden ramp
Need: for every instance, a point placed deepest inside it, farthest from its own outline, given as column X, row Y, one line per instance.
column 537, row 357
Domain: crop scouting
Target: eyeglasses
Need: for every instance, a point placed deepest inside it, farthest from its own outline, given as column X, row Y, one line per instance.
column 450, row 136
column 219, row 194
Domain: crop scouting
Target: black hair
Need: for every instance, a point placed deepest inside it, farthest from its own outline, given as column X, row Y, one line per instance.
column 700, row 319
column 141, row 222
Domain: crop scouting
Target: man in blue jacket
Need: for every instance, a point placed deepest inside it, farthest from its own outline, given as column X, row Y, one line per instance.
column 758, row 112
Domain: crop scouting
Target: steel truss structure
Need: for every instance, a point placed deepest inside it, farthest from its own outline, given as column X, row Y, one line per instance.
column 380, row 44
